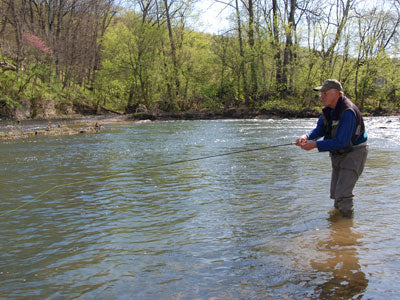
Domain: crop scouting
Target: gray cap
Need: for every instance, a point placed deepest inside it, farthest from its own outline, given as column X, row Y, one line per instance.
column 329, row 84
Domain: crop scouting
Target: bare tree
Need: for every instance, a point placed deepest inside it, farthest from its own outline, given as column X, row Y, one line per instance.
column 334, row 17
column 376, row 30
column 13, row 14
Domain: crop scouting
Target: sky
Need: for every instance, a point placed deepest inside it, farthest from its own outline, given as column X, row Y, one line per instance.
column 212, row 16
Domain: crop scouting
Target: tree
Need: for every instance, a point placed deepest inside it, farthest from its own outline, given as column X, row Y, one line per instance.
column 334, row 19
column 130, row 52
column 376, row 30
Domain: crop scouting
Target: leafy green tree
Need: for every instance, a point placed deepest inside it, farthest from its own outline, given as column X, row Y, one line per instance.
column 130, row 60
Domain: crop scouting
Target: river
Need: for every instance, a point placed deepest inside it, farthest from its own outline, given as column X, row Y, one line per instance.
column 82, row 217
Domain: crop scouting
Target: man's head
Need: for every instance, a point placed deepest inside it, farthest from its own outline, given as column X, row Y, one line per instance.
column 331, row 91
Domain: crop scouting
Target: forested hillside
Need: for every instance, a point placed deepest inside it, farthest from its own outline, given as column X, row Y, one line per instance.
column 66, row 56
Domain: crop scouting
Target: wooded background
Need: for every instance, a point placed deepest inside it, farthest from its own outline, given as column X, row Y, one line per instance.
column 143, row 55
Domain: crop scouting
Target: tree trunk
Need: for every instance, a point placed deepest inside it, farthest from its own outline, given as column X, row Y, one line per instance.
column 276, row 45
column 254, row 82
column 173, row 48
column 242, row 71
column 288, row 52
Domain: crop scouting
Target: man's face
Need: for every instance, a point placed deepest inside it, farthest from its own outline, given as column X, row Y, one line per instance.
column 330, row 97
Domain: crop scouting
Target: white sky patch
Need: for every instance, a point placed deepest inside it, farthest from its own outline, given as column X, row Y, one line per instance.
column 213, row 16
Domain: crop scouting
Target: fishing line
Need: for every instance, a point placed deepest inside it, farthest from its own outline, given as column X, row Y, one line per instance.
column 121, row 174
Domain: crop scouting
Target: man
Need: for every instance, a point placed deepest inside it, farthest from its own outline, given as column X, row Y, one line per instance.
column 342, row 126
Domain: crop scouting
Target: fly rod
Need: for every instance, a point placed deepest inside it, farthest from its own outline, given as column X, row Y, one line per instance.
column 121, row 174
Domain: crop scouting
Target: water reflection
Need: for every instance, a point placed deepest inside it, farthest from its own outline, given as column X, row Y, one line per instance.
column 346, row 279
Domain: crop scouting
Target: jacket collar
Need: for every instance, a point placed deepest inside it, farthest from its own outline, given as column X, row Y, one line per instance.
column 334, row 114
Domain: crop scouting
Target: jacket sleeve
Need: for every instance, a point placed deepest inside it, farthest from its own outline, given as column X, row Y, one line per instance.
column 317, row 132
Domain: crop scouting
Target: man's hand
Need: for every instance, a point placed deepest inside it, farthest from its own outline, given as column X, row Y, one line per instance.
column 301, row 140
column 309, row 145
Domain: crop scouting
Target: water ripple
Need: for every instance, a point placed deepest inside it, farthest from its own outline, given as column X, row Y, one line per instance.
column 246, row 226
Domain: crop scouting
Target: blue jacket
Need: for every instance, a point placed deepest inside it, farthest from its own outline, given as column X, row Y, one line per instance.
column 346, row 113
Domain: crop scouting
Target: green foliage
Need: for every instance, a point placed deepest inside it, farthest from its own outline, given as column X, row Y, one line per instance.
column 137, row 69
column 130, row 62
column 283, row 105
column 9, row 102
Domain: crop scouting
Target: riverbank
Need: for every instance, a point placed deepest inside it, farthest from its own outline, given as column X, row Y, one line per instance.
column 77, row 124
column 18, row 130
column 89, row 124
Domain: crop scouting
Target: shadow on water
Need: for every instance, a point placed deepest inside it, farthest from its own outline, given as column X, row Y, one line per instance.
column 340, row 260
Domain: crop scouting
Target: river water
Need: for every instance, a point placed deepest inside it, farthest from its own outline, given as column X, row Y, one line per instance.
column 245, row 226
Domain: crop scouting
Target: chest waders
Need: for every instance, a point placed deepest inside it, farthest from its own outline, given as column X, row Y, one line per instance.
column 348, row 162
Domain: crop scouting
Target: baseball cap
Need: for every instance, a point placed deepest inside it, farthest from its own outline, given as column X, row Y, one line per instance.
column 329, row 84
